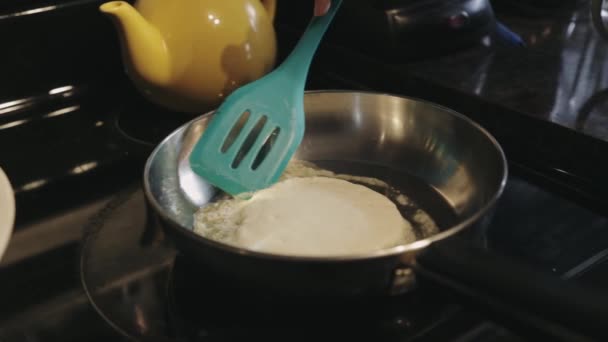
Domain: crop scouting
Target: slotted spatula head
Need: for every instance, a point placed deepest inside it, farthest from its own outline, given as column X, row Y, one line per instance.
column 251, row 138
column 258, row 128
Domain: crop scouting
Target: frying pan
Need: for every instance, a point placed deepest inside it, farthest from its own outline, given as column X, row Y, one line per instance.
column 415, row 140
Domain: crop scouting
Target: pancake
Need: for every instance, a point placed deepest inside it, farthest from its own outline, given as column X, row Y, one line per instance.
column 307, row 216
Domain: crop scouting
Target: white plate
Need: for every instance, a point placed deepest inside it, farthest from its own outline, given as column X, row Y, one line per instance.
column 7, row 212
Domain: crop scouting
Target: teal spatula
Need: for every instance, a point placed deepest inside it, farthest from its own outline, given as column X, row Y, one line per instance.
column 258, row 128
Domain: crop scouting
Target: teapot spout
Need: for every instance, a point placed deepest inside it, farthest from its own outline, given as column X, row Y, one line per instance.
column 142, row 43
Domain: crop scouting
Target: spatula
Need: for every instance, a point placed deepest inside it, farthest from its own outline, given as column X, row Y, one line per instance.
column 256, row 130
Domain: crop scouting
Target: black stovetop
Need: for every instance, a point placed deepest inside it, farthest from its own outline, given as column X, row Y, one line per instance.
column 91, row 136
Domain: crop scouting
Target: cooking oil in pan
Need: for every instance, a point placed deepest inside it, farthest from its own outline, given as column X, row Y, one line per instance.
column 423, row 209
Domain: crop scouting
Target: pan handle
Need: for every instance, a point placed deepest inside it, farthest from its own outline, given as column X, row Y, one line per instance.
column 514, row 295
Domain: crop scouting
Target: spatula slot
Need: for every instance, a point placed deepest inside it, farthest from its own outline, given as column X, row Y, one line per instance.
column 235, row 131
column 249, row 141
column 266, row 148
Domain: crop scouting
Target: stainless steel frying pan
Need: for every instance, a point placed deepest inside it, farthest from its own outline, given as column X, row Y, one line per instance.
column 451, row 166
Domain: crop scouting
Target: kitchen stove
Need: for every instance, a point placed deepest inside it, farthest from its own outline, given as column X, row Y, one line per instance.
column 88, row 262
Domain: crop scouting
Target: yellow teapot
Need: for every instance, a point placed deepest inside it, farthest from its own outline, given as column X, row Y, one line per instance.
column 187, row 55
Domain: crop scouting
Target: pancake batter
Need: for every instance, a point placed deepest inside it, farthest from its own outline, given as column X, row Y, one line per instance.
column 307, row 216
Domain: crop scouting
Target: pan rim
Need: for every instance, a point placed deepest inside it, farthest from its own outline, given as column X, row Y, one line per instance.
column 378, row 254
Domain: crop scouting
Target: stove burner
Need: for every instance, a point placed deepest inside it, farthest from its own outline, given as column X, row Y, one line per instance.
column 201, row 305
column 124, row 267
column 137, row 284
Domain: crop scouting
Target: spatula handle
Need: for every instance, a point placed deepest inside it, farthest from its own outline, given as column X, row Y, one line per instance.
column 298, row 61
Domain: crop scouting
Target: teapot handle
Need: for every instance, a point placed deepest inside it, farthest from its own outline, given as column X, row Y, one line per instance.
column 271, row 7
